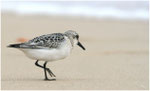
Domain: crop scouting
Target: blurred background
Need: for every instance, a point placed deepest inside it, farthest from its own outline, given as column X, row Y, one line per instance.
column 88, row 9
column 115, row 34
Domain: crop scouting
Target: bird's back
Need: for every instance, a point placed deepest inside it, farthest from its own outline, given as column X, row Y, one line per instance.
column 50, row 40
column 42, row 42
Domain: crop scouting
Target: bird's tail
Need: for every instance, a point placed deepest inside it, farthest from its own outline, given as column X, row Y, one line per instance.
column 24, row 46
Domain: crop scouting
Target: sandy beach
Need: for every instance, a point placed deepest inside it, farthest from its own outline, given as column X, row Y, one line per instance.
column 116, row 56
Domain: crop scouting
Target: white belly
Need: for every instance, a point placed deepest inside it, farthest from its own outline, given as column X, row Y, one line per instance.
column 49, row 54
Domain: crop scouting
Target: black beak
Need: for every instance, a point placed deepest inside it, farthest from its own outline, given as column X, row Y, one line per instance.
column 79, row 44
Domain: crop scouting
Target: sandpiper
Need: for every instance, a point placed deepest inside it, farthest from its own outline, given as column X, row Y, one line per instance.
column 50, row 47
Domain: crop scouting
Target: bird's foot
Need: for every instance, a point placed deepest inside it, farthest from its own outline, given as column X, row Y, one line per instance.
column 46, row 79
column 50, row 72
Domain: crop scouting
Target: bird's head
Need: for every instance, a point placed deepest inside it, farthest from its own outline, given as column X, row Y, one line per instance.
column 74, row 38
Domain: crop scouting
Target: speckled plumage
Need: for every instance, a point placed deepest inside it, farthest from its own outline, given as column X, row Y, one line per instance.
column 47, row 41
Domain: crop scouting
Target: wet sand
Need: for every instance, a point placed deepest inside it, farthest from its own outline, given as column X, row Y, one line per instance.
column 116, row 55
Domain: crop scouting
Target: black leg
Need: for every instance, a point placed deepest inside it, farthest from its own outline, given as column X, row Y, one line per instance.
column 45, row 69
column 36, row 63
column 49, row 71
column 46, row 73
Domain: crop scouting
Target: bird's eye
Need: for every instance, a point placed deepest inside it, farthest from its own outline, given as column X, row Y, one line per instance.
column 77, row 36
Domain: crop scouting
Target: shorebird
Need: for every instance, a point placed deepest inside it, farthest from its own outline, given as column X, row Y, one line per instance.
column 50, row 47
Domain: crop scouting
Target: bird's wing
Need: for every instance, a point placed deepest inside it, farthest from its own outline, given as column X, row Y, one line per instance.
column 45, row 41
